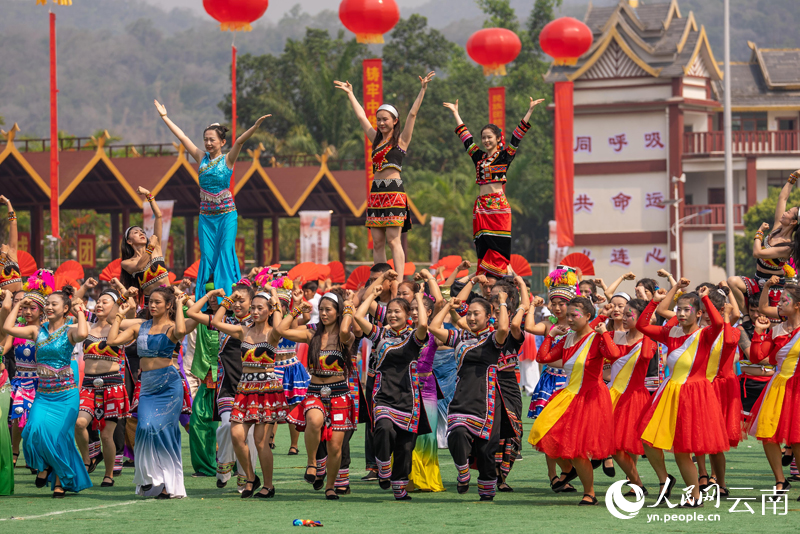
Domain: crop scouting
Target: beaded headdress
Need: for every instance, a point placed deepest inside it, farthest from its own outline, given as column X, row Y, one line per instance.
column 563, row 283
column 39, row 286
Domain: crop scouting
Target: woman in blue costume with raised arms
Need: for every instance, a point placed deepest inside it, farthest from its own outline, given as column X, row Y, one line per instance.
column 157, row 447
column 218, row 223
column 49, row 436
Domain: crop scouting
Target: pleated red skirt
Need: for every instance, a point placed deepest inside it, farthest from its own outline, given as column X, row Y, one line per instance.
column 627, row 413
column 730, row 402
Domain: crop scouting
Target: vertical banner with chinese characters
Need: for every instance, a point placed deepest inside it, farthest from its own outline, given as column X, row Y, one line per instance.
column 315, row 236
column 166, row 207
column 564, row 164
column 437, row 228
column 497, row 107
column 24, row 241
column 267, row 244
column 373, row 98
column 240, row 248
column 87, row 250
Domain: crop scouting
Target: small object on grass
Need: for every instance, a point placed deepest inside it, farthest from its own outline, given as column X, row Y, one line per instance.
column 306, row 523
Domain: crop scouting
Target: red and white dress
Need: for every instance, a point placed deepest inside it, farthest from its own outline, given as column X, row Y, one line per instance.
column 259, row 395
column 103, row 395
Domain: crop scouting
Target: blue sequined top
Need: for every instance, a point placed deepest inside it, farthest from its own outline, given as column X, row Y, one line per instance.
column 215, row 175
column 25, row 357
column 54, row 349
column 153, row 345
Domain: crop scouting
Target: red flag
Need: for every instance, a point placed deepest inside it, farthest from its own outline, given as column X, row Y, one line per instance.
column 373, row 98
column 564, row 164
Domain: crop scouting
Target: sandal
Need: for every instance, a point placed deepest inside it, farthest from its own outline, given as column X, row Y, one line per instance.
column 105, row 484
column 268, row 495
column 293, row 451
column 345, row 490
column 671, row 482
column 723, row 491
column 58, row 494
column 308, row 477
column 92, row 465
column 609, row 471
column 591, row 502
column 332, row 496
column 247, row 493
column 272, row 441
column 558, row 487
column 318, row 483
column 504, row 487
column 632, row 493
column 783, row 491
column 163, row 496
column 42, row 482
column 786, row 460
column 14, row 457
column 701, row 485
column 462, row 488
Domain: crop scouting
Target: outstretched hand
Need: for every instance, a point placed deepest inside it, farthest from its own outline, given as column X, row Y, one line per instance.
column 261, row 119
column 452, row 107
column 347, row 87
column 142, row 191
column 428, row 77
column 535, row 103
column 160, row 108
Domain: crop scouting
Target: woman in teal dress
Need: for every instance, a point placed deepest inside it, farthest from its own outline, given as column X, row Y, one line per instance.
column 218, row 219
column 49, row 435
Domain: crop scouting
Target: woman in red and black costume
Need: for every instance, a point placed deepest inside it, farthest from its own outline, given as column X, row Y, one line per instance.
column 387, row 205
column 328, row 411
column 104, row 399
column 772, row 250
column 10, row 277
column 491, row 216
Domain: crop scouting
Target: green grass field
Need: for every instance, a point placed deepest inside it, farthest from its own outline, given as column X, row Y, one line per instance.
column 533, row 507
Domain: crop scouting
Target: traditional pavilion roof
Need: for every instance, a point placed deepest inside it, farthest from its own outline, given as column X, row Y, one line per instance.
column 17, row 174
column 651, row 40
column 771, row 79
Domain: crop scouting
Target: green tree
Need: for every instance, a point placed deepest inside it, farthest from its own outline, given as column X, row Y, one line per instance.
column 501, row 14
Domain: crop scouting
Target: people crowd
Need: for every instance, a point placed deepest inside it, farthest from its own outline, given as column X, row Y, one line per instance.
column 618, row 373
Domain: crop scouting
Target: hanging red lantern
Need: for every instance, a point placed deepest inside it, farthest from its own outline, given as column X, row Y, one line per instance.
column 235, row 15
column 369, row 19
column 565, row 40
column 493, row 48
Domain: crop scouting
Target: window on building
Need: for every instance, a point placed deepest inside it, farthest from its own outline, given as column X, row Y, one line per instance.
column 688, row 128
column 748, row 122
column 787, row 124
column 716, row 195
column 689, row 199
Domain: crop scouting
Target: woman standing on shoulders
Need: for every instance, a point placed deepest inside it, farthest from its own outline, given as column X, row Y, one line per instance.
column 159, row 466
column 49, row 435
column 387, row 205
column 143, row 266
column 10, row 278
column 218, row 222
column 491, row 221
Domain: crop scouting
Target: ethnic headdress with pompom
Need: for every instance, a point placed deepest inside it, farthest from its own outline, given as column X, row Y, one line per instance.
column 39, row 286
column 563, row 282
column 790, row 273
column 269, row 278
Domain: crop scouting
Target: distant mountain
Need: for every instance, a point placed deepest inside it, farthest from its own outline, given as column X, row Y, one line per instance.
column 115, row 56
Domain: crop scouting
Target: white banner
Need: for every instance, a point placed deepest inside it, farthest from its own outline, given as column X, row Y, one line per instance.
column 315, row 236
column 437, row 228
column 555, row 253
column 149, row 219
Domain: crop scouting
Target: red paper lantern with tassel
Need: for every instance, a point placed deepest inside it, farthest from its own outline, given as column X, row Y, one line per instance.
column 565, row 40
column 493, row 48
column 369, row 19
column 235, row 15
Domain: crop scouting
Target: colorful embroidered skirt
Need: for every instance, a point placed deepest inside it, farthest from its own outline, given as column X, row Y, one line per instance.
column 23, row 393
column 259, row 399
column 336, row 404
column 387, row 205
column 491, row 230
column 551, row 381
column 103, row 396
column 292, row 373
column 6, row 457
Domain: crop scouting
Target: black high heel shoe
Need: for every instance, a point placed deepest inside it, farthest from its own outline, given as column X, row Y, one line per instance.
column 42, row 482
column 268, row 495
column 246, row 494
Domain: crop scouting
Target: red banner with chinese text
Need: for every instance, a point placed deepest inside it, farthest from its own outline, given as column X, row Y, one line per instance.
column 497, row 107
column 240, row 248
column 87, row 250
column 24, row 241
column 373, row 98
column 564, row 164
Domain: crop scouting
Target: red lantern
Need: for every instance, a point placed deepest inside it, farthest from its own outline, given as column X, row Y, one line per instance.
column 369, row 19
column 235, row 15
column 565, row 40
column 493, row 48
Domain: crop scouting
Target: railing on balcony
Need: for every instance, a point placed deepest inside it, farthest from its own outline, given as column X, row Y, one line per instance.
column 710, row 215
column 752, row 142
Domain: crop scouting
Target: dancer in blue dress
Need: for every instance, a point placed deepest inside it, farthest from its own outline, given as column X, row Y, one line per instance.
column 218, row 219
column 49, row 435
column 157, row 446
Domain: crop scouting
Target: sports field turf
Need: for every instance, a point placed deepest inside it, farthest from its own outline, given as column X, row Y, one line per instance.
column 532, row 507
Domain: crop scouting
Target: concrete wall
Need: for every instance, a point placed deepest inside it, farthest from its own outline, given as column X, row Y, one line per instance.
column 637, row 255
column 603, row 129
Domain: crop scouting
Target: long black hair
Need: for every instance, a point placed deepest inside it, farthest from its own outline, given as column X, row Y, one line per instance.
column 315, row 345
column 126, row 252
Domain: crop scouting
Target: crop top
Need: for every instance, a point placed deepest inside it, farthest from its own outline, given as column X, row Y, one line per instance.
column 153, row 345
column 153, row 272
column 10, row 271
column 771, row 265
column 96, row 348
column 331, row 363
column 386, row 156
column 492, row 169
column 258, row 355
